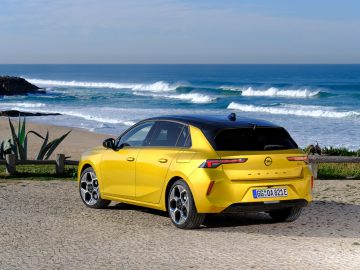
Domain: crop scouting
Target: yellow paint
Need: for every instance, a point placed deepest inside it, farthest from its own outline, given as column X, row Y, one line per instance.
column 144, row 180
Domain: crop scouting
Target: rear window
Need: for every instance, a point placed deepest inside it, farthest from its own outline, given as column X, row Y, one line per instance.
column 250, row 139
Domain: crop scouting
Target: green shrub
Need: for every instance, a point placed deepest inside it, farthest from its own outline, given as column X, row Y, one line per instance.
column 339, row 171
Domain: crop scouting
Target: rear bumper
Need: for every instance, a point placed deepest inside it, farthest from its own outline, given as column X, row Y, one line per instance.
column 264, row 206
column 226, row 194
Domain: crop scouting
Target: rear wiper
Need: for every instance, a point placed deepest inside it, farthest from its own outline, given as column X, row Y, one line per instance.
column 273, row 146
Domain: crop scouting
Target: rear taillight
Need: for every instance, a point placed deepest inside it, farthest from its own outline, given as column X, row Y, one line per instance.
column 299, row 158
column 312, row 182
column 214, row 163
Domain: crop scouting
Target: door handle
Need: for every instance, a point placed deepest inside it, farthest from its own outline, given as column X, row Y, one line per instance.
column 130, row 159
column 163, row 160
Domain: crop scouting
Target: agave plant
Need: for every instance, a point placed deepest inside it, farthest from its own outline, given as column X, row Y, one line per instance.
column 48, row 148
column 2, row 152
column 20, row 141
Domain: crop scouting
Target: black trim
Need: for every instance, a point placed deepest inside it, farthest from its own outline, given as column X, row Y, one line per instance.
column 263, row 207
column 214, row 121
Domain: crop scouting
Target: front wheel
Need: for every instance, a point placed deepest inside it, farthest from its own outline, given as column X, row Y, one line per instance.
column 89, row 190
column 285, row 215
column 181, row 207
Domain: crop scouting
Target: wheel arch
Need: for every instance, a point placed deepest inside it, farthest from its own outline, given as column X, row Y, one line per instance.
column 171, row 182
column 168, row 186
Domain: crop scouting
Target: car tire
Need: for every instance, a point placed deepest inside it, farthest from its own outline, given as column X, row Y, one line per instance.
column 90, row 191
column 285, row 215
column 181, row 207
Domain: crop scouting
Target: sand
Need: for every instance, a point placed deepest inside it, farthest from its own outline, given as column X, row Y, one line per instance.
column 78, row 141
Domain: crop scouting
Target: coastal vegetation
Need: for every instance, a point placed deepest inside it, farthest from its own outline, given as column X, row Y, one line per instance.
column 339, row 171
column 19, row 142
column 39, row 172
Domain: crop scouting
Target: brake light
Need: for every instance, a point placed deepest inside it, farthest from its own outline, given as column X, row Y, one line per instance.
column 312, row 182
column 299, row 158
column 214, row 163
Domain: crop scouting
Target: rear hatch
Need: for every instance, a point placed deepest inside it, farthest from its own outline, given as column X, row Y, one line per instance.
column 263, row 152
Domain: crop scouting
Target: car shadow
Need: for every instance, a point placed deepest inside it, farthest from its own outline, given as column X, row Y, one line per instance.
column 130, row 207
column 320, row 219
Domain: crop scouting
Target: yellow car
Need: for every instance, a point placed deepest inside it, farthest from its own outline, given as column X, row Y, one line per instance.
column 193, row 165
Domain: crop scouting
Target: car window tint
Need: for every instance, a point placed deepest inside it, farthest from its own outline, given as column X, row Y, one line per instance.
column 166, row 134
column 136, row 136
column 250, row 139
column 184, row 140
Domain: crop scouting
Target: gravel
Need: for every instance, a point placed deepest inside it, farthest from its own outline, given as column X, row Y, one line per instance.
column 44, row 225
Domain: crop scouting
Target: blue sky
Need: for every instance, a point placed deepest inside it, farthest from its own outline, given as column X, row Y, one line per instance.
column 199, row 31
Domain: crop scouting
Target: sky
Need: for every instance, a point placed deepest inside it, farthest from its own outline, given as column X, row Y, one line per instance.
column 179, row 32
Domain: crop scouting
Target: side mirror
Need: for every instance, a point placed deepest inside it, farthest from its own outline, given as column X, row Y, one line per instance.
column 123, row 145
column 109, row 143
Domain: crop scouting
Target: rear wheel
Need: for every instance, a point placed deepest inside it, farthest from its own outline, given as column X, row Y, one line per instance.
column 89, row 190
column 285, row 215
column 181, row 207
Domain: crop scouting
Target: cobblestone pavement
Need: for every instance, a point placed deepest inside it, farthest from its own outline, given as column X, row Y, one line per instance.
column 44, row 225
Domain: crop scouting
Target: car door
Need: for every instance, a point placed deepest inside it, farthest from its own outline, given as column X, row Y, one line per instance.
column 155, row 158
column 118, row 166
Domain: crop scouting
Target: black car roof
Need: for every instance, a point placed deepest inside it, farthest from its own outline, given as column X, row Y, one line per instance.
column 215, row 121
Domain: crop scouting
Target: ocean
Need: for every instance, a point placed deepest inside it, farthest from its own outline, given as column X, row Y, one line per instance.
column 315, row 103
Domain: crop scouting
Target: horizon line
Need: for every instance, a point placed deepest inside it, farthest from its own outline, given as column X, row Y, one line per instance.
column 230, row 64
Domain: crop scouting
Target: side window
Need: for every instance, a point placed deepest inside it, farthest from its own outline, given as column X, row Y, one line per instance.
column 166, row 134
column 136, row 136
column 184, row 139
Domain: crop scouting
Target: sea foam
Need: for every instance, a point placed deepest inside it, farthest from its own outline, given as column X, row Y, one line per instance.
column 23, row 104
column 274, row 92
column 319, row 111
column 191, row 97
column 159, row 86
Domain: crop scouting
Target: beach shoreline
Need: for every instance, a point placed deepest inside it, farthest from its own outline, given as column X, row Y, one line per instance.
column 77, row 142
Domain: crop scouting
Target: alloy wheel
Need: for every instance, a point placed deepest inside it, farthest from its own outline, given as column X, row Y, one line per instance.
column 89, row 188
column 179, row 204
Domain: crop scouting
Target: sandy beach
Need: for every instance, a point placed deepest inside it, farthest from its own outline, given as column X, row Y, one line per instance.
column 74, row 144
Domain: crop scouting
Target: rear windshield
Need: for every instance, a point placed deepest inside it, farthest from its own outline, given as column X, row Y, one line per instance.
column 250, row 139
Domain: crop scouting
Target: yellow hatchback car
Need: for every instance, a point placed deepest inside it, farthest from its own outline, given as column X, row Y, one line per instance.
column 193, row 165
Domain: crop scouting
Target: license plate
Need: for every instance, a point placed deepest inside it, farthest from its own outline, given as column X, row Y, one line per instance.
column 270, row 193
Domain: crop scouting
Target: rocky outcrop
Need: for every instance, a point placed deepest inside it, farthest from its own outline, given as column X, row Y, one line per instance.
column 10, row 86
column 15, row 113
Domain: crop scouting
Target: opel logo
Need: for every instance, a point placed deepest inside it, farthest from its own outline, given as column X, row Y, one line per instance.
column 268, row 161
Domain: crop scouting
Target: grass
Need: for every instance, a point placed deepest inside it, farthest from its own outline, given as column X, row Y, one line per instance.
column 47, row 172
column 40, row 172
column 339, row 171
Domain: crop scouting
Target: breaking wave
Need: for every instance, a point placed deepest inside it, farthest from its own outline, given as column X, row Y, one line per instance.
column 159, row 86
column 23, row 104
column 191, row 97
column 274, row 92
column 312, row 111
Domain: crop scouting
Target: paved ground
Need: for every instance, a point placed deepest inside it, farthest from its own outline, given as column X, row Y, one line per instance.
column 44, row 225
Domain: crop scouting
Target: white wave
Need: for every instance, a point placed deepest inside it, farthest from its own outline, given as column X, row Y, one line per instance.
column 194, row 97
column 191, row 97
column 274, row 92
column 22, row 105
column 159, row 86
column 326, row 112
column 87, row 116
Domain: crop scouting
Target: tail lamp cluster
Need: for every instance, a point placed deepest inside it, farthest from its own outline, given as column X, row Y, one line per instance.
column 214, row 163
column 299, row 158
